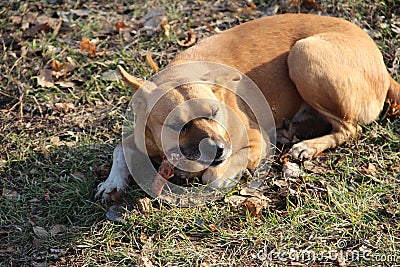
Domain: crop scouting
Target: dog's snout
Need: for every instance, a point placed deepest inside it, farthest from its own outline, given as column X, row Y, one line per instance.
column 219, row 150
column 213, row 150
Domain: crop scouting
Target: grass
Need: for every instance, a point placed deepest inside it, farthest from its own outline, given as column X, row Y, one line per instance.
column 57, row 142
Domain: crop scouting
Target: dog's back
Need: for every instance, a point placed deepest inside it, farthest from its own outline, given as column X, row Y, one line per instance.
column 260, row 49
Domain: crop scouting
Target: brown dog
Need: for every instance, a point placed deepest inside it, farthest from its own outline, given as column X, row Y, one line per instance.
column 308, row 68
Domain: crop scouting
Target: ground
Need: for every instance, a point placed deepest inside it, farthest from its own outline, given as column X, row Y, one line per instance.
column 61, row 110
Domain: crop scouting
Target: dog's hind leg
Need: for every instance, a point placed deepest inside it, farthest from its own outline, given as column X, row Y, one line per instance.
column 341, row 131
column 343, row 77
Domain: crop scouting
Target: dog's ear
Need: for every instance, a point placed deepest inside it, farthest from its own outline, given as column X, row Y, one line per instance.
column 135, row 83
column 222, row 78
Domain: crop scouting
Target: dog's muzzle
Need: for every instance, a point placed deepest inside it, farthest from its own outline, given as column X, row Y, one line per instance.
column 208, row 152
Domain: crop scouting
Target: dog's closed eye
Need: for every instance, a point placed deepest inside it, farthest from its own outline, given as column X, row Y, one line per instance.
column 179, row 126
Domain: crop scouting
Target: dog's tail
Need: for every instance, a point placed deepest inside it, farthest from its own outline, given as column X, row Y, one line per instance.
column 393, row 94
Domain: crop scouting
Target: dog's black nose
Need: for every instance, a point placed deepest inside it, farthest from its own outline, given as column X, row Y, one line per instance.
column 212, row 150
column 220, row 150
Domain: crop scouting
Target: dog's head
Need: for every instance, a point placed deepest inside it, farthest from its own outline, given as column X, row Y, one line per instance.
column 191, row 119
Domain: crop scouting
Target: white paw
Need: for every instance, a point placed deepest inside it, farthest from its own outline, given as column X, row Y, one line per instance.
column 111, row 189
column 302, row 151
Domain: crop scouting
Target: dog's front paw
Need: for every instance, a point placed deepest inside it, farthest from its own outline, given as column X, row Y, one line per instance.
column 108, row 191
column 303, row 150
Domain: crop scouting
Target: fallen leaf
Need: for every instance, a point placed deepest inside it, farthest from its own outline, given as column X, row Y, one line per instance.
column 66, row 84
column 116, row 214
column 153, row 20
column 7, row 250
column 119, row 25
column 45, row 78
column 281, row 183
column 51, row 22
column 255, row 206
column 291, row 170
column 144, row 261
column 311, row 4
column 61, row 69
column 310, row 166
column 65, row 107
column 88, row 46
column 40, row 232
column 189, row 40
column 144, row 205
column 80, row 12
column 15, row 19
column 394, row 110
column 111, row 75
column 370, row 170
column 57, row 229
column 28, row 18
column 56, row 65
column 46, row 197
column 12, row 195
column 34, row 30
column 166, row 27
column 254, row 188
column 235, row 200
column 144, row 238
column 213, row 227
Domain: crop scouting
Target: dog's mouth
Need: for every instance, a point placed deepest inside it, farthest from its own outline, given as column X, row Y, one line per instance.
column 210, row 163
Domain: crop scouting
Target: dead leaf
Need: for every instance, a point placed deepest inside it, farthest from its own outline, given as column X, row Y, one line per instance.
column 119, row 25
column 65, row 107
column 51, row 22
column 255, row 206
column 80, row 12
column 66, row 84
column 166, row 27
column 370, row 170
column 151, row 62
column 144, row 238
column 61, row 69
column 57, row 229
column 281, row 183
column 212, row 227
column 235, row 200
column 189, row 40
column 254, row 188
column 40, row 232
column 111, row 75
column 15, row 19
column 28, row 18
column 12, row 195
column 144, row 261
column 7, row 250
column 88, row 46
column 394, row 110
column 153, row 20
column 34, row 30
column 45, row 78
column 144, row 205
column 310, row 4
column 310, row 166
column 116, row 214
column 291, row 170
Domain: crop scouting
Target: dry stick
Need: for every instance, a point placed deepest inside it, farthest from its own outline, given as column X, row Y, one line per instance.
column 152, row 64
